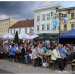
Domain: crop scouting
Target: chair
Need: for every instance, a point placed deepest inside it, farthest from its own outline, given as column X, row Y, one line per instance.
column 52, row 64
column 73, row 64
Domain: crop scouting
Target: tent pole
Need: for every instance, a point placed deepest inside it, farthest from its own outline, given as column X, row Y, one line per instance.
column 59, row 26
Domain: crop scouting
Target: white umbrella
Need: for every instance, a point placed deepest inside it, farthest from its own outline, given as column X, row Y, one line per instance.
column 7, row 36
column 33, row 36
column 23, row 36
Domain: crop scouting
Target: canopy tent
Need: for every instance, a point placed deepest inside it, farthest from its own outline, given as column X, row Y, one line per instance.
column 33, row 36
column 46, row 37
column 23, row 36
column 68, row 37
column 7, row 36
column 69, row 34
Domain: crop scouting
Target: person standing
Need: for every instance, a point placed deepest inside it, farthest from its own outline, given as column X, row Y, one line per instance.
column 28, row 54
column 35, row 55
column 12, row 52
column 23, row 52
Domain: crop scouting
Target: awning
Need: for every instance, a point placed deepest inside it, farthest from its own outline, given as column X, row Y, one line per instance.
column 69, row 34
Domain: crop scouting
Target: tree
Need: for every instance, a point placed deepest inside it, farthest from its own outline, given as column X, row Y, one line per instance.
column 16, row 39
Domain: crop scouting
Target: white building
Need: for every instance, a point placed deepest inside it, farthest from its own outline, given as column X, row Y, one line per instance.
column 24, row 26
column 43, row 20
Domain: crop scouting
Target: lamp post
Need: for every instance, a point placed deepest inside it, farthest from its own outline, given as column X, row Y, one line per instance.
column 60, row 18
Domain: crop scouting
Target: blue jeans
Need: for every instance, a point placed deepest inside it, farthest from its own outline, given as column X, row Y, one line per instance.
column 27, row 59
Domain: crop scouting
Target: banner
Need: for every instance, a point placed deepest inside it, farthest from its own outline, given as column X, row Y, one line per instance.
column 55, row 24
column 65, row 19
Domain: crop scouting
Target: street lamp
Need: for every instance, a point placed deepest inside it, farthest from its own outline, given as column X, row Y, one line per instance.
column 60, row 18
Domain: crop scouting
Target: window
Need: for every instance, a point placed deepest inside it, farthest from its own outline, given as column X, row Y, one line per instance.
column 64, row 15
column 7, row 25
column 48, row 26
column 37, row 28
column 38, row 18
column 31, row 30
column 48, row 16
column 25, row 30
column 19, row 30
column 43, row 27
column 11, row 31
column 14, row 31
column 72, row 26
column 65, row 27
column 72, row 15
column 43, row 17
column 68, row 11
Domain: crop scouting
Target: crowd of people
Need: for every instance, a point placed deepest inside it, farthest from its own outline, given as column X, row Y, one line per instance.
column 27, row 52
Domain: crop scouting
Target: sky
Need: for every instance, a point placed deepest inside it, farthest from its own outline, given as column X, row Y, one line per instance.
column 25, row 9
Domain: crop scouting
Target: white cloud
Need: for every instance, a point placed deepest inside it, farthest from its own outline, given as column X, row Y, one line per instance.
column 3, row 17
column 26, row 9
column 48, row 3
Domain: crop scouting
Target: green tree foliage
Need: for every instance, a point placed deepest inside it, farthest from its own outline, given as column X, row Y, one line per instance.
column 16, row 38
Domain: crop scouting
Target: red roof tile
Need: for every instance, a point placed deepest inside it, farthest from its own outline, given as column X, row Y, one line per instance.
column 24, row 23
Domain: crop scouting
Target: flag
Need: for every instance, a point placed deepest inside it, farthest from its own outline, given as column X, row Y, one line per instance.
column 65, row 19
column 54, row 24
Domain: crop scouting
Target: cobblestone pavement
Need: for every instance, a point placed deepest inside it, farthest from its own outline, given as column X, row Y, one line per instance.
column 5, row 72
column 18, row 68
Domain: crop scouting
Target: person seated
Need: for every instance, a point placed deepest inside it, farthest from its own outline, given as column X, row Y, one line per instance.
column 73, row 52
column 44, row 48
column 36, row 54
column 49, row 52
column 63, row 52
column 55, row 56
column 69, row 50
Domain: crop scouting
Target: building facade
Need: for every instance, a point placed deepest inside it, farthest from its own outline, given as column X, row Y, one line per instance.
column 70, row 23
column 5, row 24
column 24, row 26
column 44, row 21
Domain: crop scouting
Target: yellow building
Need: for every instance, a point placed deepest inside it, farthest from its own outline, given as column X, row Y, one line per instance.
column 5, row 24
column 70, row 14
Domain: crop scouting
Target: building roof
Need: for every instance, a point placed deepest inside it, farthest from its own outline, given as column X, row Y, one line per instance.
column 65, row 9
column 7, row 19
column 24, row 23
column 48, row 7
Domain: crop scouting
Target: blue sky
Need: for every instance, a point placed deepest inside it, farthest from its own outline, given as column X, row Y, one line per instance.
column 25, row 9
column 68, row 3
